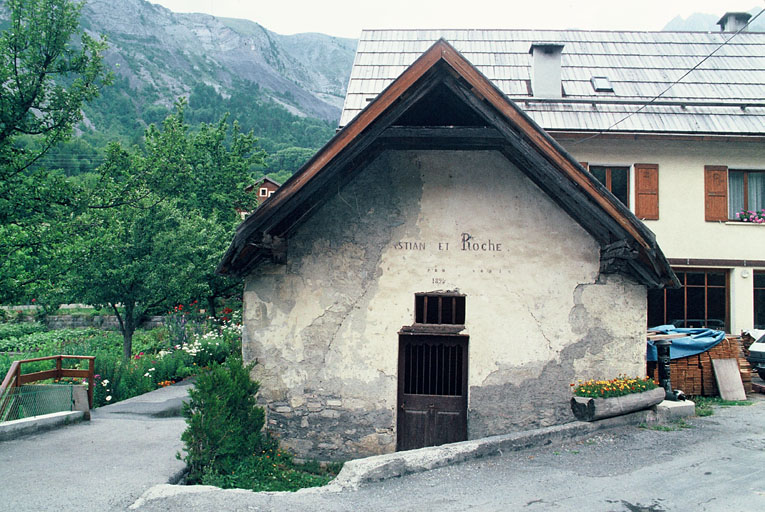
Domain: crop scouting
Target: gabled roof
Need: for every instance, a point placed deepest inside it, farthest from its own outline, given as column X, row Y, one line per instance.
column 723, row 96
column 264, row 179
column 479, row 117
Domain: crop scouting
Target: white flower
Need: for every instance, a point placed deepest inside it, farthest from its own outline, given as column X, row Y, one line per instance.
column 147, row 374
column 108, row 398
column 105, row 382
column 151, row 369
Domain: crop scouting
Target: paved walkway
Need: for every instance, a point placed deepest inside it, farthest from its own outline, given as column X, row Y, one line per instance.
column 102, row 464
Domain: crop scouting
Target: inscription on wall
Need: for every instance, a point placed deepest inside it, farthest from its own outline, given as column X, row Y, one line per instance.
column 466, row 242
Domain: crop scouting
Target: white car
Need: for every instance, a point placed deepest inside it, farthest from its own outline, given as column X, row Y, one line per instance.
column 757, row 356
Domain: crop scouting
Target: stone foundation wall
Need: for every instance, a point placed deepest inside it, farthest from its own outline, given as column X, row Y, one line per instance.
column 321, row 427
column 99, row 321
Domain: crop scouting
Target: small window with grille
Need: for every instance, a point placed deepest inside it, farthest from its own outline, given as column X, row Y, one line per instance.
column 439, row 308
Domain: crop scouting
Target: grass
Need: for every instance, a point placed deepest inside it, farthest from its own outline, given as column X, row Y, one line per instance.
column 704, row 404
column 671, row 427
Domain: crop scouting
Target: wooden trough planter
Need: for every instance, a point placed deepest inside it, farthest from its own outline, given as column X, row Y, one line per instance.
column 590, row 409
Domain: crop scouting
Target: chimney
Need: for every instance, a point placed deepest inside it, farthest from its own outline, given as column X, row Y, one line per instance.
column 545, row 70
column 733, row 21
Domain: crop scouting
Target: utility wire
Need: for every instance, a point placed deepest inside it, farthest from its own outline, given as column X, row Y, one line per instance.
column 702, row 61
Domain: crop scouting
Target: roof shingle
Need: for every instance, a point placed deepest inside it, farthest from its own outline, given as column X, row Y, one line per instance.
column 640, row 65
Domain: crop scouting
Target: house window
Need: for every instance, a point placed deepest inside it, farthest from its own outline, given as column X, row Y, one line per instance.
column 759, row 299
column 746, row 191
column 263, row 192
column 702, row 301
column 616, row 180
column 439, row 308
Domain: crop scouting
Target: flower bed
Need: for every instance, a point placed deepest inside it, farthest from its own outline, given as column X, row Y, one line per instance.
column 599, row 399
column 164, row 356
column 620, row 386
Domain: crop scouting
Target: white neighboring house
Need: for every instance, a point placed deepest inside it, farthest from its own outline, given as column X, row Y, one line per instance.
column 683, row 151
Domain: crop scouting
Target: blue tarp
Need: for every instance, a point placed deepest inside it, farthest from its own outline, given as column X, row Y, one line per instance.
column 696, row 341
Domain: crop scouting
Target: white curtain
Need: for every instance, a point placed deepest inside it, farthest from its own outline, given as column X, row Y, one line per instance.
column 756, row 191
column 736, row 193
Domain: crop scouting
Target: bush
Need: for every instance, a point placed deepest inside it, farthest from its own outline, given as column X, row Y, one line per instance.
column 223, row 420
column 10, row 331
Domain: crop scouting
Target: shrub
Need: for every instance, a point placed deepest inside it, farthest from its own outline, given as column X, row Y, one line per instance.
column 223, row 420
column 8, row 331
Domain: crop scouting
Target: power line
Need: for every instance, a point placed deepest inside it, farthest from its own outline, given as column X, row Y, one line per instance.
column 645, row 105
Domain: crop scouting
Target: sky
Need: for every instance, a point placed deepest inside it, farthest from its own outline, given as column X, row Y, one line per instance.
column 346, row 18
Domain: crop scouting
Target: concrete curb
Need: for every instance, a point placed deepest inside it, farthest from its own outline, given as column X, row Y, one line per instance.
column 26, row 426
column 381, row 467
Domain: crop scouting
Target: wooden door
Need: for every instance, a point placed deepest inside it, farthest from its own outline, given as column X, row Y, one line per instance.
column 432, row 390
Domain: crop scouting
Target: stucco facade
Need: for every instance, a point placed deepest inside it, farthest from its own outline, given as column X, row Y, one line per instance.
column 539, row 315
column 681, row 230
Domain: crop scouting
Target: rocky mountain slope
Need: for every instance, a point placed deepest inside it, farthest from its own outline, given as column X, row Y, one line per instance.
column 158, row 50
column 702, row 22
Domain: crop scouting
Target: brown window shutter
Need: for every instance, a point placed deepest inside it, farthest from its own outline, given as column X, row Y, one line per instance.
column 716, row 193
column 647, row 191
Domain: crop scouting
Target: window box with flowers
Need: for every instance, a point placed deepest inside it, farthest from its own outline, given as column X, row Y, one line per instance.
column 752, row 217
column 599, row 399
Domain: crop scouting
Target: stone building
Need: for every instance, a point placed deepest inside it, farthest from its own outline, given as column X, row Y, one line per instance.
column 441, row 270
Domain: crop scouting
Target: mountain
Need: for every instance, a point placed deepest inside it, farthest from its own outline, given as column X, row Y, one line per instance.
column 702, row 22
column 288, row 90
column 155, row 48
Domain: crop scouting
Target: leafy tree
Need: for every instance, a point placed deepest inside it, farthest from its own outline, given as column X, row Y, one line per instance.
column 44, row 82
column 34, row 50
column 159, row 217
column 137, row 256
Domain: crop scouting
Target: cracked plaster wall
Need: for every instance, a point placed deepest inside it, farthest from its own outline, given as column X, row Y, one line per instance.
column 324, row 326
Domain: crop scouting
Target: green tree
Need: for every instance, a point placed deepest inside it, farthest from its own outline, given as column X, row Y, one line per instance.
column 159, row 217
column 44, row 81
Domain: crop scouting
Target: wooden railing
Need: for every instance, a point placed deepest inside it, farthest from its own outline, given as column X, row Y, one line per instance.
column 16, row 379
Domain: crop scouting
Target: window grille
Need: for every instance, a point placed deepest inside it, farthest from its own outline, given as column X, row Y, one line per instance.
column 439, row 308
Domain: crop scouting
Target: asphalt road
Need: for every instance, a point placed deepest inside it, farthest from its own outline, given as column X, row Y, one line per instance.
column 98, row 465
column 717, row 463
column 117, row 460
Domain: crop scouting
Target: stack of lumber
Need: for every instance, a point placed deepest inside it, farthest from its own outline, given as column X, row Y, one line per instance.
column 743, row 364
column 694, row 375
